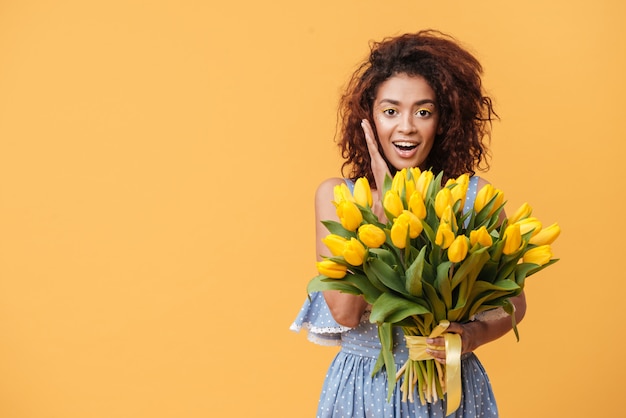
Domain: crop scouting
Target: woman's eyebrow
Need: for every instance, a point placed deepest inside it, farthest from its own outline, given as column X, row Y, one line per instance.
column 397, row 103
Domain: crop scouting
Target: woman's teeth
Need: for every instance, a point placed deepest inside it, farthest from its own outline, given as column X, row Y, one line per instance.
column 405, row 146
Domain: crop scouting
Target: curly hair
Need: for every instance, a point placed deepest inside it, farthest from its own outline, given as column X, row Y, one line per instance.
column 454, row 75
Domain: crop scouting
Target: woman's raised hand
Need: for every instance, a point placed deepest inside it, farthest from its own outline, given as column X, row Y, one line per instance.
column 379, row 169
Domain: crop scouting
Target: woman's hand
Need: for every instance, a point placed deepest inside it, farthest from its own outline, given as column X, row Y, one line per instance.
column 468, row 341
column 379, row 169
column 479, row 332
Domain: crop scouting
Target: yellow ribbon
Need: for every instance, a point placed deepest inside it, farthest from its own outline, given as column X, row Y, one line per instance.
column 453, row 346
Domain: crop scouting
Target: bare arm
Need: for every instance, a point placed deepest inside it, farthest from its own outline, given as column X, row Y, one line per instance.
column 346, row 309
column 476, row 333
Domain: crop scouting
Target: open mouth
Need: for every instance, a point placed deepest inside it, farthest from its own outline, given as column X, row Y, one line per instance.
column 405, row 146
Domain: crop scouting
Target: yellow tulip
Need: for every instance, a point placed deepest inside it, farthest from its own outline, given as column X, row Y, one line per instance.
column 331, row 269
column 392, row 203
column 415, row 225
column 349, row 215
column 528, row 224
column 460, row 190
column 399, row 179
column 423, row 181
column 546, row 235
column 512, row 239
column 399, row 231
column 522, row 212
column 415, row 174
column 458, row 249
column 481, row 236
column 484, row 195
column 487, row 193
column 442, row 201
column 372, row 236
column 335, row 243
column 342, row 192
column 354, row 252
column 362, row 192
column 538, row 255
column 445, row 236
column 416, row 205
column 448, row 217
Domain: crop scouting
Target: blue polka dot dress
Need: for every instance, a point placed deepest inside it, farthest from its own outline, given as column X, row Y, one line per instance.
column 350, row 390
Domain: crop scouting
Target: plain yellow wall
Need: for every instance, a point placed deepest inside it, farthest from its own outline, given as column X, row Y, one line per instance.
column 158, row 161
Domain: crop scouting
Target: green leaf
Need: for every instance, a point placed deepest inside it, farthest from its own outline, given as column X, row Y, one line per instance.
column 510, row 309
column 438, row 307
column 385, row 255
column 484, row 292
column 428, row 231
column 488, row 272
column 322, row 283
column 386, row 275
column 361, row 282
column 414, row 274
column 385, row 334
column 391, row 308
column 472, row 264
column 442, row 283
column 336, row 228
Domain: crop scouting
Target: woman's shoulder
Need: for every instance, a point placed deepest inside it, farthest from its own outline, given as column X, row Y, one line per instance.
column 327, row 187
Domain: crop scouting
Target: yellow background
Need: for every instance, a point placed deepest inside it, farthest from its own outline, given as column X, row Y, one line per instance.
column 158, row 161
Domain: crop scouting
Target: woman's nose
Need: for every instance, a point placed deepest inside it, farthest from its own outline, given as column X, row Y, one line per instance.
column 407, row 124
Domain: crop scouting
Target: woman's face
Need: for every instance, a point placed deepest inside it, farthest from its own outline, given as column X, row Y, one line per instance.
column 406, row 120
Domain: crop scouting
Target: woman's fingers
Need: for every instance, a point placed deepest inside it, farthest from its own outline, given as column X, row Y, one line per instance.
column 379, row 165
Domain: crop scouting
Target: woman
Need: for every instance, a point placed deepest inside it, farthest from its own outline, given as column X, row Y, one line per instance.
column 416, row 102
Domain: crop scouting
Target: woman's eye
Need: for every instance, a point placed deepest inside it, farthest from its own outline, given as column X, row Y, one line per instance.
column 423, row 112
column 390, row 112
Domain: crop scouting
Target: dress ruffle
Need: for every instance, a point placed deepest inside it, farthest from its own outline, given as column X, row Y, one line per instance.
column 316, row 318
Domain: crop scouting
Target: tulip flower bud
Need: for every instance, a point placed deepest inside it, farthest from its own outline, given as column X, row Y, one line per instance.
column 415, row 225
column 481, row 236
column 331, row 269
column 442, row 201
column 458, row 188
column 448, row 217
column 362, row 192
column 415, row 173
column 458, row 249
column 354, row 252
column 484, row 195
column 416, row 205
column 529, row 224
column 512, row 239
column 341, row 193
column 523, row 212
column 335, row 243
column 349, row 215
column 372, row 236
column 546, row 235
column 423, row 181
column 538, row 255
column 392, row 203
column 399, row 231
column 445, row 236
column 397, row 184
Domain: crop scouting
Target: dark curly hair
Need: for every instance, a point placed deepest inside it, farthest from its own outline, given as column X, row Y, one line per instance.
column 454, row 75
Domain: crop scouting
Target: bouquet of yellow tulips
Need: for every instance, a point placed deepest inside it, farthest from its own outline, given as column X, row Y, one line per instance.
column 431, row 262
